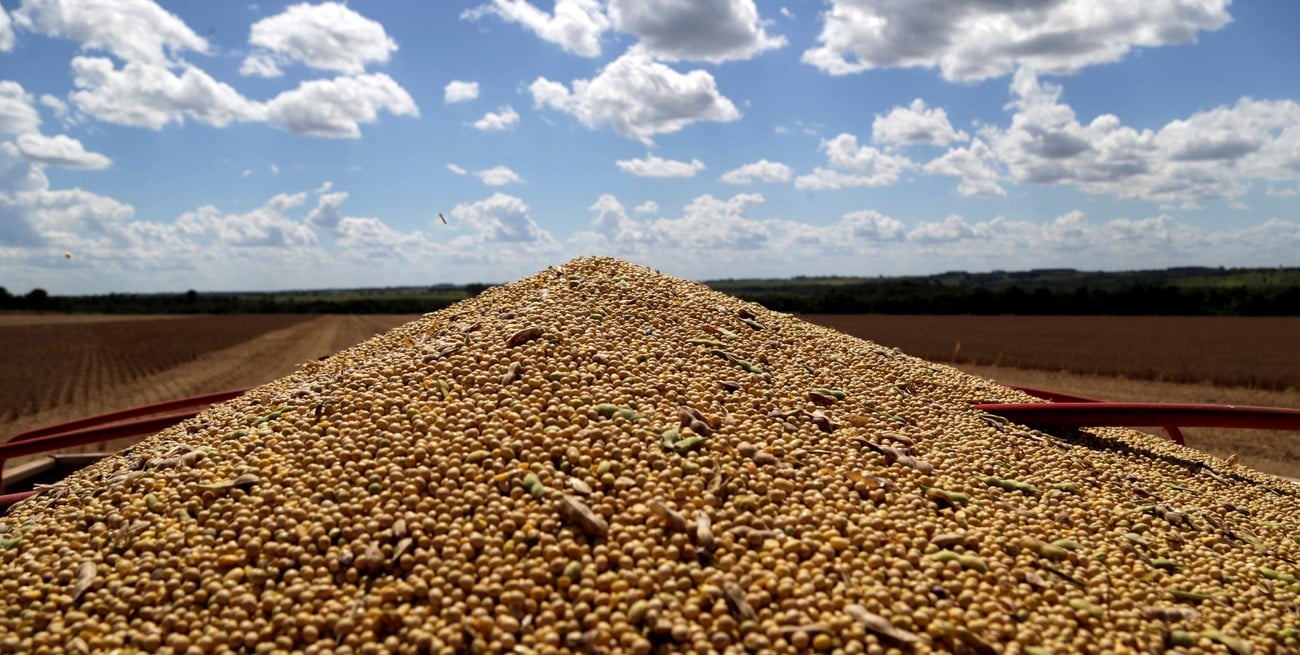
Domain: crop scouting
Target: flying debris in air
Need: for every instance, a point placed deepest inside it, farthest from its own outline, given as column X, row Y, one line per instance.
column 67, row 255
column 444, row 218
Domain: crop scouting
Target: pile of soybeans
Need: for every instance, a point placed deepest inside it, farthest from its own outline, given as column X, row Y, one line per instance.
column 604, row 459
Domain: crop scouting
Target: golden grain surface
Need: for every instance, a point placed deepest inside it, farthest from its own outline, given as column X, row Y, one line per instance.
column 604, row 459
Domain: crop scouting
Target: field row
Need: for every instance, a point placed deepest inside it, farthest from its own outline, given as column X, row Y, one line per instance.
column 1261, row 353
column 72, row 362
column 50, row 375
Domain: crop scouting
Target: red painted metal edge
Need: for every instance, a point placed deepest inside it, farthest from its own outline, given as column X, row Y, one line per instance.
column 133, row 412
column 1139, row 414
column 91, row 435
column 1057, row 397
column 9, row 499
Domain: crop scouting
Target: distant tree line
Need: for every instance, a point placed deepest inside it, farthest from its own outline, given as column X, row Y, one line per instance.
column 192, row 302
column 920, row 297
column 1176, row 292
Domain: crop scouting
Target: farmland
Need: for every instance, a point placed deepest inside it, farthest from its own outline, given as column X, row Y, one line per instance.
column 1254, row 352
column 60, row 367
column 69, row 367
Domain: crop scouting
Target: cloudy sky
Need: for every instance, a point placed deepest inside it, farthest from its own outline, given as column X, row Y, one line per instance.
column 224, row 146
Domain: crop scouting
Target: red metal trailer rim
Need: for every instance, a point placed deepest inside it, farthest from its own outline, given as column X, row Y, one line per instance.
column 1062, row 410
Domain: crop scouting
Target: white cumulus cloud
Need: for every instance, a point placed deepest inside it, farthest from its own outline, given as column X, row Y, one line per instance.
column 638, row 97
column 975, row 164
column 574, row 25
column 978, row 39
column 853, row 165
column 260, row 64
column 61, row 151
column 146, row 95
column 133, row 30
column 652, row 166
column 498, row 176
column 648, row 207
column 915, row 124
column 761, row 170
column 1216, row 153
column 707, row 30
column 17, row 110
column 337, row 108
column 6, row 31
column 501, row 219
column 459, row 91
column 502, row 119
column 457, row 169
column 263, row 228
column 328, row 36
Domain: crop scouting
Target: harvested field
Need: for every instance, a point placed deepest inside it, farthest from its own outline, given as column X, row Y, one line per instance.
column 1261, row 352
column 8, row 319
column 71, row 368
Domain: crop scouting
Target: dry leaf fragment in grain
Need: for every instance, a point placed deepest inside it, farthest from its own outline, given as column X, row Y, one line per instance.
column 576, row 513
column 523, row 336
column 85, row 578
column 672, row 519
column 881, row 626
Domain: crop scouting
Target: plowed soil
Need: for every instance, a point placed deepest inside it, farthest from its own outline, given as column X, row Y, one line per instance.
column 67, row 369
column 1257, row 352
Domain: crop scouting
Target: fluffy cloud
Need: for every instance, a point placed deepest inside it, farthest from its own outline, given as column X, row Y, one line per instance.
column 976, row 165
column 337, row 108
column 849, row 237
column 326, row 214
column 457, row 169
column 720, row 228
column 265, row 227
column 1212, row 154
column 62, row 151
column 17, row 112
column 853, row 165
column 146, row 95
column 458, row 91
column 708, row 30
column 575, row 25
column 498, row 176
column 260, row 64
column 975, row 40
column 133, row 30
column 502, row 119
column 638, row 97
column 59, row 107
column 65, row 216
column 372, row 241
column 915, row 124
column 364, row 239
column 328, row 36
column 650, row 207
column 653, row 166
column 761, row 170
column 500, row 219
column 6, row 31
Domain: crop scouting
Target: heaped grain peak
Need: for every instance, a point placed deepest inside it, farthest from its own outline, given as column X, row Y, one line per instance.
column 602, row 458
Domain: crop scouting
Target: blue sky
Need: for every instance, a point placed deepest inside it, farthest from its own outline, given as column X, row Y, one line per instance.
column 223, row 146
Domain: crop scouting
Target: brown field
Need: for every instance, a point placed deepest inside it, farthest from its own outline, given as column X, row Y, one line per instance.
column 1251, row 352
column 64, row 370
column 103, row 365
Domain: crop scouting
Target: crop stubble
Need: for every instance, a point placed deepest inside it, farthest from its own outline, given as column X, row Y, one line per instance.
column 1255, row 352
column 66, row 369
